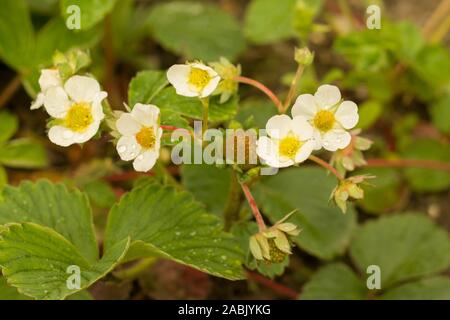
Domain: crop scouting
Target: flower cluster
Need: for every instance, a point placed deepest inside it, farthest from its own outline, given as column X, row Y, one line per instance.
column 318, row 121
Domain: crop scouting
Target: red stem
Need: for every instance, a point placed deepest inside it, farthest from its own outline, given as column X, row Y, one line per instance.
column 327, row 166
column 276, row 287
column 264, row 89
column 404, row 163
column 254, row 207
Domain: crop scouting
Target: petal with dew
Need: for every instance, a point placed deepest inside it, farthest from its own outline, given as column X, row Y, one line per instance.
column 347, row 114
column 145, row 161
column 127, row 125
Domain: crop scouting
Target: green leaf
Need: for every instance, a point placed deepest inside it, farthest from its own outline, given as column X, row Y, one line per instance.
column 403, row 246
column 81, row 295
column 268, row 21
column 16, row 34
column 424, row 180
column 209, row 185
column 92, row 11
column 334, row 282
column 35, row 259
column 164, row 223
column 256, row 112
column 196, row 30
column 369, row 112
column 192, row 108
column 326, row 231
column 145, row 86
column 10, row 293
column 54, row 206
column 437, row 288
column 101, row 193
column 243, row 231
column 440, row 114
column 8, row 126
column 386, row 185
column 56, row 36
column 23, row 153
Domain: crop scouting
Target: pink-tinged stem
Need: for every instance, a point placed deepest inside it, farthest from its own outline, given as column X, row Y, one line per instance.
column 254, row 207
column 264, row 89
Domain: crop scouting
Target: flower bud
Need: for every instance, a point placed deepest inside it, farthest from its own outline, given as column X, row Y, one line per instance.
column 303, row 56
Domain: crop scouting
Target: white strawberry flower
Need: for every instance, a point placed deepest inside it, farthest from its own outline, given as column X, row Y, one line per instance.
column 193, row 79
column 49, row 78
column 289, row 141
column 140, row 136
column 77, row 108
column 330, row 117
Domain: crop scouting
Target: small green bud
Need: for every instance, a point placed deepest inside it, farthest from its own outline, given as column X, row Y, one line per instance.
column 303, row 56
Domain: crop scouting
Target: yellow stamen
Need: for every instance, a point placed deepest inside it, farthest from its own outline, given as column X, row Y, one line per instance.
column 79, row 117
column 199, row 78
column 146, row 137
column 324, row 120
column 289, row 146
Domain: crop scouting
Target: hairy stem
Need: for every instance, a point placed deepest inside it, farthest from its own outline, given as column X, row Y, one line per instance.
column 254, row 207
column 264, row 89
column 10, row 90
column 409, row 163
column 134, row 271
column 231, row 213
column 327, row 166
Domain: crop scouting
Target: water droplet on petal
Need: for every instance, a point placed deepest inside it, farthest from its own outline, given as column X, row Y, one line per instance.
column 122, row 149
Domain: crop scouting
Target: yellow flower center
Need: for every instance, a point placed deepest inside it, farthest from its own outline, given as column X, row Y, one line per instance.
column 289, row 146
column 79, row 117
column 146, row 137
column 199, row 78
column 324, row 120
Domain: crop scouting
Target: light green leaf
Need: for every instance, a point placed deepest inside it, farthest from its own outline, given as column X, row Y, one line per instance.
column 196, row 30
column 192, row 108
column 81, row 295
column 424, row 180
column 268, row 21
column 54, row 206
column 437, row 288
column 209, row 185
column 9, row 293
column 8, row 126
column 23, row 153
column 164, row 223
column 16, row 34
column 145, row 86
column 403, row 246
column 326, row 231
column 243, row 231
column 256, row 112
column 92, row 11
column 35, row 259
column 334, row 282
column 386, row 185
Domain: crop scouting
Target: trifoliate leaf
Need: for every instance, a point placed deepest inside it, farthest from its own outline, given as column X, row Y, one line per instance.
column 169, row 224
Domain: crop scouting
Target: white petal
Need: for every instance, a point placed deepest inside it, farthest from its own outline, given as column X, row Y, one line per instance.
column 145, row 161
column 39, row 102
column 146, row 114
column 127, row 125
column 347, row 114
column 128, row 148
column 97, row 108
column 305, row 151
column 327, row 96
column 61, row 136
column 178, row 75
column 210, row 70
column 82, row 89
column 302, row 128
column 265, row 148
column 56, row 102
column 210, row 87
column 49, row 78
column 317, row 138
column 91, row 131
column 278, row 126
column 336, row 139
column 305, row 105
